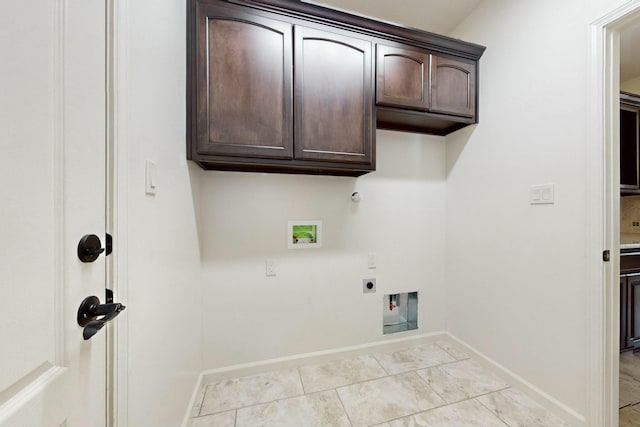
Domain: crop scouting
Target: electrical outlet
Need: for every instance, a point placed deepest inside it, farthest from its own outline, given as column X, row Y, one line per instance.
column 368, row 286
column 270, row 269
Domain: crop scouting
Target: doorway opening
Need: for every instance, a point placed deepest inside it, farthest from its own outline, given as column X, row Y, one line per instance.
column 629, row 294
column 604, row 219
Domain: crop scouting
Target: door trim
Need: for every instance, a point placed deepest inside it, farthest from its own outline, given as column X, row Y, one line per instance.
column 117, row 209
column 603, row 212
column 58, row 178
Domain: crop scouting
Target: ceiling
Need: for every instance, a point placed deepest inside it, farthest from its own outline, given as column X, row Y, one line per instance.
column 629, row 53
column 437, row 16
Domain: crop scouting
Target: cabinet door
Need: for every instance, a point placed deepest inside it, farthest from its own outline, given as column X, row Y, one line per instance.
column 402, row 76
column 453, row 86
column 633, row 311
column 623, row 312
column 629, row 136
column 334, row 97
column 244, row 78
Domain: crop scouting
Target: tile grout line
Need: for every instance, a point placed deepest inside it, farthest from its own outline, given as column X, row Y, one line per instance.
column 379, row 363
column 206, row 388
column 497, row 413
column 252, row 405
column 235, row 418
column 304, row 392
column 452, row 403
column 449, row 353
column 343, row 407
column 431, row 388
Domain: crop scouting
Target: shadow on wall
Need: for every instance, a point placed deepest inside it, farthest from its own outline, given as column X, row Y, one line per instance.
column 411, row 156
column 195, row 179
column 456, row 142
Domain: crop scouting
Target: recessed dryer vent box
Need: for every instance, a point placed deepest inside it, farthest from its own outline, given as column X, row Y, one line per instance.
column 399, row 312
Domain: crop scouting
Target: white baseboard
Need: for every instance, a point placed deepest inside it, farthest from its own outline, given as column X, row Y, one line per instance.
column 246, row 369
column 194, row 396
column 252, row 368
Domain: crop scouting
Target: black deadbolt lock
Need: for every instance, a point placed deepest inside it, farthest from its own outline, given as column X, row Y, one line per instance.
column 89, row 248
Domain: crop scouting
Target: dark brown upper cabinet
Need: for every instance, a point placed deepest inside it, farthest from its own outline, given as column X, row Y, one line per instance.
column 421, row 91
column 629, row 143
column 289, row 86
column 453, row 86
column 334, row 97
column 244, row 94
column 402, row 77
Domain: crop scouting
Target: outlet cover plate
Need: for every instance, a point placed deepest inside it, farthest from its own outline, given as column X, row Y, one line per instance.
column 368, row 286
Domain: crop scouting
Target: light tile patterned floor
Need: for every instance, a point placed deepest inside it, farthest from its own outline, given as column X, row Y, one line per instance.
column 629, row 389
column 435, row 384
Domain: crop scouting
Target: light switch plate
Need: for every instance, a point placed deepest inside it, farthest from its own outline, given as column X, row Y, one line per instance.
column 151, row 177
column 542, row 194
column 270, row 268
column 371, row 260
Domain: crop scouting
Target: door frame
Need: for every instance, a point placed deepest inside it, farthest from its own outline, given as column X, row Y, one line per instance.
column 117, row 210
column 603, row 212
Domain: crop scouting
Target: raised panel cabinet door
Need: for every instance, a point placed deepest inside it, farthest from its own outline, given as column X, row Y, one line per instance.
column 334, row 97
column 453, row 86
column 623, row 312
column 633, row 310
column 402, row 76
column 629, row 138
column 244, row 78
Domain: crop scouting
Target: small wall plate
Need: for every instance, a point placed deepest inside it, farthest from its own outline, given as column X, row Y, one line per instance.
column 368, row 286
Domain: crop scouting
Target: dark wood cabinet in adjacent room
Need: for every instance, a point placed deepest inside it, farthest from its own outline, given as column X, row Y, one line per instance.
column 623, row 313
column 629, row 299
column 630, row 311
column 629, row 143
column 333, row 97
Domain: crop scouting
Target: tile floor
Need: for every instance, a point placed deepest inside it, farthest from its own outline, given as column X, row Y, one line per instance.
column 629, row 389
column 435, row 384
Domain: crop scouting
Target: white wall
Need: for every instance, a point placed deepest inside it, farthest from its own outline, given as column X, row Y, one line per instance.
column 164, row 292
column 632, row 85
column 316, row 302
column 516, row 272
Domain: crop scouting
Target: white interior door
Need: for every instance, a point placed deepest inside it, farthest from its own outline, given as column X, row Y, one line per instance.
column 52, row 192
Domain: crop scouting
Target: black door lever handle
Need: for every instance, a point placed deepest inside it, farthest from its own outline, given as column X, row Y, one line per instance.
column 89, row 314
